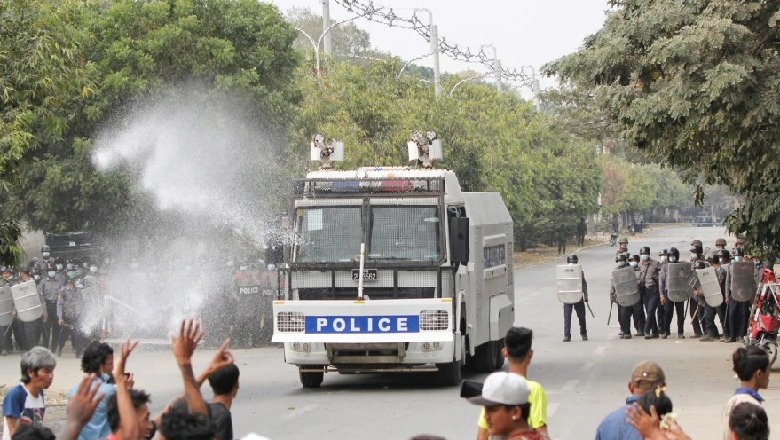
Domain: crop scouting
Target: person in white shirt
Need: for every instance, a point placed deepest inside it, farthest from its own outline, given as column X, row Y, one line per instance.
column 25, row 403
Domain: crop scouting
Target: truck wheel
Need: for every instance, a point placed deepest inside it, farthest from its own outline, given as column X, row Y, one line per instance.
column 499, row 356
column 311, row 380
column 449, row 374
column 485, row 357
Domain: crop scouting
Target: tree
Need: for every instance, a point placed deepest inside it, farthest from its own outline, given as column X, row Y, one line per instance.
column 123, row 54
column 694, row 85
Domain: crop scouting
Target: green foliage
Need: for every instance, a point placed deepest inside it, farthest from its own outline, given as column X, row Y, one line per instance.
column 695, row 85
column 493, row 141
column 71, row 67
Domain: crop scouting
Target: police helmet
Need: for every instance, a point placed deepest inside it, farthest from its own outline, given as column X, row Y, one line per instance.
column 701, row 265
column 720, row 242
column 572, row 259
column 738, row 252
column 663, row 252
column 697, row 249
column 674, row 252
column 635, row 258
column 4, row 269
column 714, row 259
column 724, row 255
column 697, row 243
column 621, row 257
column 645, row 250
column 623, row 240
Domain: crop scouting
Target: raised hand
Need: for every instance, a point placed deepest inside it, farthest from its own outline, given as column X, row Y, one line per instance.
column 119, row 364
column 184, row 345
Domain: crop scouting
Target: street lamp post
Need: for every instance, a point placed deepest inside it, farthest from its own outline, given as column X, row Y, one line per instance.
column 316, row 44
column 496, row 65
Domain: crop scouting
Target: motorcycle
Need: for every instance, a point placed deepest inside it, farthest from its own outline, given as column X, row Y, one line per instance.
column 613, row 239
column 765, row 316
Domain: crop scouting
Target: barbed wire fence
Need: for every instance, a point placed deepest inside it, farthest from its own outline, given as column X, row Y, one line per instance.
column 388, row 17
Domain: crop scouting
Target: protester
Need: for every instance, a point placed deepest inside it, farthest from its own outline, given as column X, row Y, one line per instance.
column 752, row 367
column 518, row 352
column 224, row 384
column 748, row 422
column 25, row 404
column 646, row 376
column 98, row 358
column 505, row 399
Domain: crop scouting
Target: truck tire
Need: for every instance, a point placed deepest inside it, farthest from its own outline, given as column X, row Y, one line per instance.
column 311, row 380
column 499, row 356
column 484, row 360
column 449, row 374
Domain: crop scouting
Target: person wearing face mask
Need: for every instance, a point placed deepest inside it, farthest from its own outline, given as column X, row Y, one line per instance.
column 710, row 312
column 648, row 288
column 98, row 359
column 663, row 331
column 70, row 306
column 638, row 311
column 40, row 265
column 62, row 273
column 695, row 303
column 740, row 289
column 720, row 244
column 670, row 307
column 725, row 261
column 50, row 288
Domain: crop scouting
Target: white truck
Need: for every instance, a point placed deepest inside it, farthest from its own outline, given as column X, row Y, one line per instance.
column 394, row 269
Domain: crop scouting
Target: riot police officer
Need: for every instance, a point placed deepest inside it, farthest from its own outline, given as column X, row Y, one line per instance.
column 720, row 245
column 695, row 305
column 624, row 318
column 669, row 306
column 70, row 306
column 638, row 311
column 648, row 288
column 50, row 288
column 725, row 261
column 579, row 307
column 710, row 329
column 738, row 306
column 622, row 246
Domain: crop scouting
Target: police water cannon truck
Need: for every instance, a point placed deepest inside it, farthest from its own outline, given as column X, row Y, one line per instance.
column 394, row 269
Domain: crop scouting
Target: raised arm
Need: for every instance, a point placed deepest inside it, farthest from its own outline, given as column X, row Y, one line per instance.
column 184, row 346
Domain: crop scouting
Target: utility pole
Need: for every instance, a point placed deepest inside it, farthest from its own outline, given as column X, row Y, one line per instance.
column 325, row 26
column 434, row 37
column 496, row 65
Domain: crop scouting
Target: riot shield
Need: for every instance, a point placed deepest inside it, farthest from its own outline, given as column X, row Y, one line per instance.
column 743, row 282
column 6, row 307
column 709, row 287
column 678, row 277
column 569, row 283
column 626, row 289
column 27, row 301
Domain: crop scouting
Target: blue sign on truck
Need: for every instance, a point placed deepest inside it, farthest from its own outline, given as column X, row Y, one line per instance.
column 362, row 324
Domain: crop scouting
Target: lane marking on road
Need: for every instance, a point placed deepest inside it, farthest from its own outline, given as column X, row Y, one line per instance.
column 300, row 411
column 599, row 351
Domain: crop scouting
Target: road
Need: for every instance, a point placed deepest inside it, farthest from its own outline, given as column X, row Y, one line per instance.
column 584, row 380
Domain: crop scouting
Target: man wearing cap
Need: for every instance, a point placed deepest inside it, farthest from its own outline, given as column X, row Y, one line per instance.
column 518, row 352
column 504, row 397
column 646, row 376
column 648, row 291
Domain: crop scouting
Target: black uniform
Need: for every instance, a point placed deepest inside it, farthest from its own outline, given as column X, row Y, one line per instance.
column 579, row 307
column 669, row 306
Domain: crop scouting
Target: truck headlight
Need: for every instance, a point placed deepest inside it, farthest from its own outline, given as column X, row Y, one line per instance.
column 290, row 322
column 434, row 320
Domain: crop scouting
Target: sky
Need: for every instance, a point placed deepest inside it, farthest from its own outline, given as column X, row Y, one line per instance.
column 524, row 32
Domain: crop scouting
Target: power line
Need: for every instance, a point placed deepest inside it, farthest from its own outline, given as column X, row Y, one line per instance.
column 388, row 17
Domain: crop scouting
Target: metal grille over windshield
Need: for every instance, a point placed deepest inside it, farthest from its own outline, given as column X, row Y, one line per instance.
column 404, row 233
column 328, row 234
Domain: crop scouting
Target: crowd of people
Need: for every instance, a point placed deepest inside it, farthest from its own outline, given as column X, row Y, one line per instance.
column 81, row 302
column 655, row 311
column 515, row 407
column 106, row 403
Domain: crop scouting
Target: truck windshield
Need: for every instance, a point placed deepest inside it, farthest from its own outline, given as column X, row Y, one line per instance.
column 408, row 233
column 328, row 234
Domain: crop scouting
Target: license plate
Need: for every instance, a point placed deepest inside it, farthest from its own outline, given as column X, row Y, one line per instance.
column 368, row 274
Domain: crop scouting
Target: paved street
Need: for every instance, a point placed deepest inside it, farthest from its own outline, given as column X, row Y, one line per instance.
column 584, row 380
